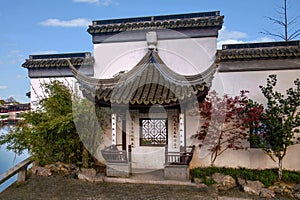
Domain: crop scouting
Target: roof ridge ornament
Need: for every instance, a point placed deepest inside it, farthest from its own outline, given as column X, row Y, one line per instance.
column 151, row 38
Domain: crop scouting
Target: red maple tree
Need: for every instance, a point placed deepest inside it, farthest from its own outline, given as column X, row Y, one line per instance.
column 224, row 122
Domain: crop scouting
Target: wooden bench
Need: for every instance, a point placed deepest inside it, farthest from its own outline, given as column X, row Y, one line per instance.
column 179, row 158
column 111, row 154
column 117, row 162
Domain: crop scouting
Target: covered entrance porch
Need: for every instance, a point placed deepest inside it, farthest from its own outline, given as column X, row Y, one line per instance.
column 147, row 142
column 148, row 115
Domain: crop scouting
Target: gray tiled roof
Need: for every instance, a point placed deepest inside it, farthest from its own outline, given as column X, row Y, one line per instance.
column 58, row 60
column 149, row 82
column 253, row 51
column 179, row 21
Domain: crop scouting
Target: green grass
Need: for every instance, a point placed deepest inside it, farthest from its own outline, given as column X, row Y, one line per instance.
column 268, row 176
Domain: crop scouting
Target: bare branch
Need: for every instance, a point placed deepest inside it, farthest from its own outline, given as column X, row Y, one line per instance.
column 294, row 20
column 284, row 22
column 294, row 35
column 273, row 34
column 275, row 21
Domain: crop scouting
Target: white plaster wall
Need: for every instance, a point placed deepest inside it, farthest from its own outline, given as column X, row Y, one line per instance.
column 192, row 126
column 185, row 56
column 188, row 56
column 251, row 158
column 233, row 82
column 37, row 92
column 110, row 58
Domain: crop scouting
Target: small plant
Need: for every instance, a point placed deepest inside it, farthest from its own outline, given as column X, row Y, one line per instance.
column 208, row 181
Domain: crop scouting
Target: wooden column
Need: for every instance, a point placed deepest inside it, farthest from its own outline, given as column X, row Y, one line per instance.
column 124, row 138
column 113, row 128
column 130, row 159
column 166, row 154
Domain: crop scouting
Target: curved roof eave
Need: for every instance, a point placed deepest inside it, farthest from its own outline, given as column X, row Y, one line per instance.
column 151, row 56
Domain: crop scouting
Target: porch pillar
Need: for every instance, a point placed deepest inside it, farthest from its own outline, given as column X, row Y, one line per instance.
column 124, row 138
column 114, row 128
column 181, row 130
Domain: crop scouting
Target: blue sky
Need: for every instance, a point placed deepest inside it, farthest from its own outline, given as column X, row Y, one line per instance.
column 58, row 26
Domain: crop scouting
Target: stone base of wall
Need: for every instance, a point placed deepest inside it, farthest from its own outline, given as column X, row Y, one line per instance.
column 118, row 170
column 177, row 172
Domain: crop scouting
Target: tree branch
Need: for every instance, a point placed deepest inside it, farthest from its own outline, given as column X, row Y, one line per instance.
column 294, row 35
column 222, row 151
column 294, row 20
column 273, row 34
column 276, row 21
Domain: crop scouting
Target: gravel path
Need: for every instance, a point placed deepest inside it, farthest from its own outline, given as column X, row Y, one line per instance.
column 58, row 187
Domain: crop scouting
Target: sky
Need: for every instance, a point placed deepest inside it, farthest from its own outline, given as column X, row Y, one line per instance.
column 31, row 27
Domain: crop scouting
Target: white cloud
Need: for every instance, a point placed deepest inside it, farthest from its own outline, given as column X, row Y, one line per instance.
column 98, row 2
column 262, row 39
column 3, row 87
column 45, row 52
column 237, row 37
column 79, row 22
column 225, row 34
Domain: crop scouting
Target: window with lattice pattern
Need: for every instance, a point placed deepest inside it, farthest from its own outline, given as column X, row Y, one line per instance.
column 153, row 132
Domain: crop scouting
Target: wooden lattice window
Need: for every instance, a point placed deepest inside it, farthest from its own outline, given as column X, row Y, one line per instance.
column 153, row 132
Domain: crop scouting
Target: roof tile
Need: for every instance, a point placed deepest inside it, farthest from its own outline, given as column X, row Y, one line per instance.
column 149, row 82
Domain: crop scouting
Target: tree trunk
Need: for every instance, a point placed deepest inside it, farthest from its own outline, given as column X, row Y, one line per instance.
column 85, row 158
column 213, row 157
column 279, row 169
column 285, row 22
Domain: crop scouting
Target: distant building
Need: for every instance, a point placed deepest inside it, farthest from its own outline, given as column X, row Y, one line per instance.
column 152, row 70
column 11, row 112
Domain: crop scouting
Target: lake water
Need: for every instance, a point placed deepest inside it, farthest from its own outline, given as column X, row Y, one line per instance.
column 8, row 159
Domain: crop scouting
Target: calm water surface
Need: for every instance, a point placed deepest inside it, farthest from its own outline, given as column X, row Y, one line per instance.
column 8, row 159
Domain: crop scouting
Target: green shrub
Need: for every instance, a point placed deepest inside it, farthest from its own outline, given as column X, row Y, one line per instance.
column 291, row 176
column 208, row 181
column 268, row 176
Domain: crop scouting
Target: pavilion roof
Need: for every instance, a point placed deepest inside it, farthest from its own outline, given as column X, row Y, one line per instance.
column 149, row 82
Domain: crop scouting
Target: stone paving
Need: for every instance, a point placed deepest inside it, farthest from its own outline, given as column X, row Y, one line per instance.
column 57, row 187
column 143, row 186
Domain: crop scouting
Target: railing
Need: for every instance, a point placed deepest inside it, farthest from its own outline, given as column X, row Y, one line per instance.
column 111, row 154
column 20, row 168
column 183, row 157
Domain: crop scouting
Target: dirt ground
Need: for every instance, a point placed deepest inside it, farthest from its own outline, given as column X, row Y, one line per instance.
column 58, row 187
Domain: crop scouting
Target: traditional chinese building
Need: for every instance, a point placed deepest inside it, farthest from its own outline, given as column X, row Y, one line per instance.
column 10, row 113
column 152, row 72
